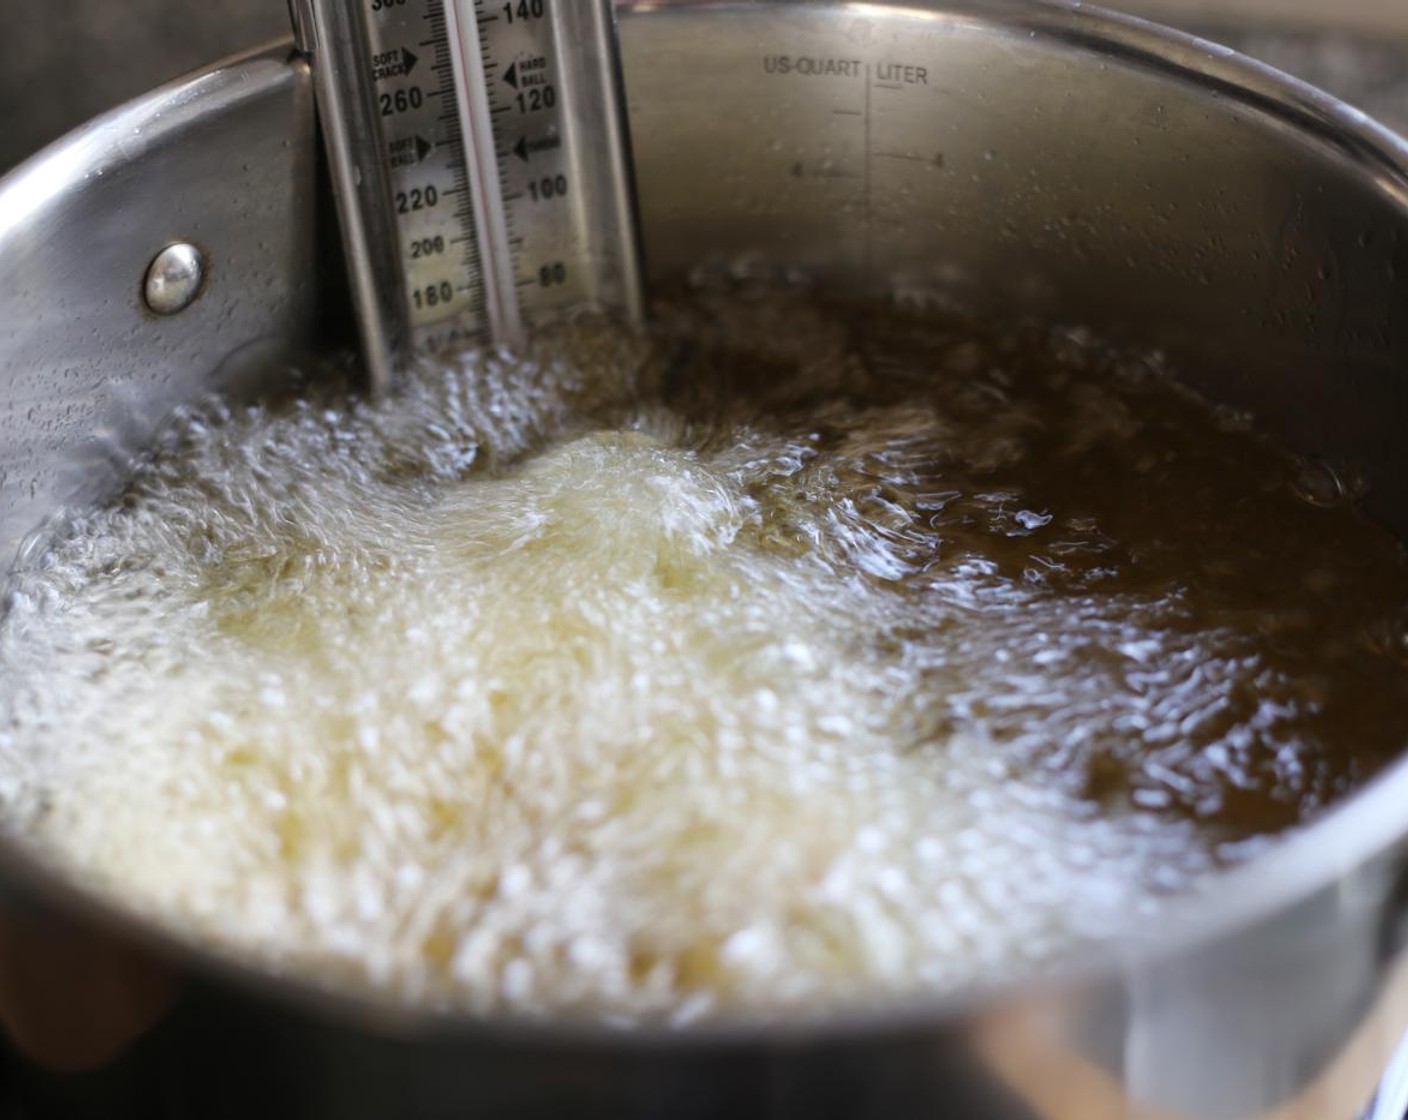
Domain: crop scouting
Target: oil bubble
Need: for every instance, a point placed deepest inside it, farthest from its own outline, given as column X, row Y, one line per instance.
column 1328, row 483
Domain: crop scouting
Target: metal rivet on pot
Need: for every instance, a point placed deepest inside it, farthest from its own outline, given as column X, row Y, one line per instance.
column 174, row 279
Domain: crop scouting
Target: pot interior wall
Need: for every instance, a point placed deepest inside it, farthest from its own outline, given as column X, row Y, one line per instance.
column 1005, row 160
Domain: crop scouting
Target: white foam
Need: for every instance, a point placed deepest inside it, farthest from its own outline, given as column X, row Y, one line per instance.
column 513, row 693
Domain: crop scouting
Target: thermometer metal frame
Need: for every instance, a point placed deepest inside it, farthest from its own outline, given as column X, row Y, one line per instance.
column 481, row 163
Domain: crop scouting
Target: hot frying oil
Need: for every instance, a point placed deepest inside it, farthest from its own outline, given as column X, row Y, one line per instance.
column 789, row 656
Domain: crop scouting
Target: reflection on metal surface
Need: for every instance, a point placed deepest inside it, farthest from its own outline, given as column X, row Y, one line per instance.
column 1030, row 1051
column 174, row 279
column 1391, row 1103
column 72, row 1000
column 86, row 370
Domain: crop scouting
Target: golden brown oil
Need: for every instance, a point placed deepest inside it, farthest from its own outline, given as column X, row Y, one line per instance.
column 795, row 654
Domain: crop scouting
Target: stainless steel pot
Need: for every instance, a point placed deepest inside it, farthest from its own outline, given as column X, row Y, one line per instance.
column 1014, row 157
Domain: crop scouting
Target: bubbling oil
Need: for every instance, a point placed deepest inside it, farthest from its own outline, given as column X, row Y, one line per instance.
column 791, row 656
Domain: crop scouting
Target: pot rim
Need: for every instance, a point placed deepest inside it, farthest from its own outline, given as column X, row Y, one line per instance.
column 1368, row 825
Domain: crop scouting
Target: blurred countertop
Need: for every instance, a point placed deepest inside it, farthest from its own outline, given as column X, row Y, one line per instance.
column 64, row 61
column 1368, row 70
column 1372, row 16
